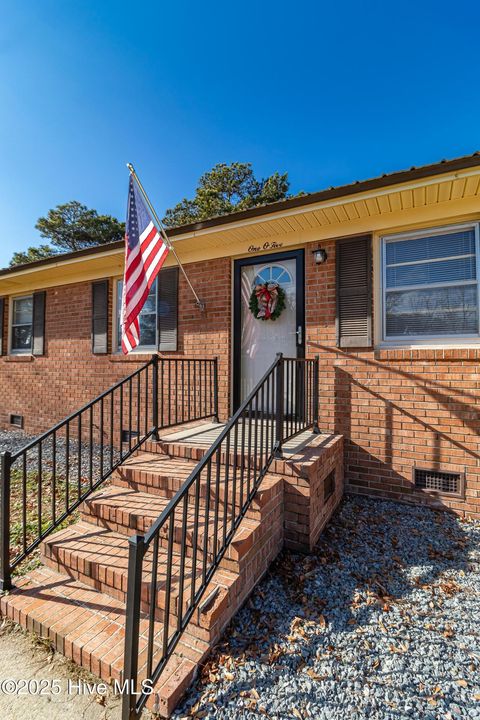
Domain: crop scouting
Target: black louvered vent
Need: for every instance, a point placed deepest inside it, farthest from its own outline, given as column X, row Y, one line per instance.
column 2, row 311
column 329, row 486
column 38, row 331
column 443, row 483
column 16, row 420
column 100, row 317
column 354, row 280
column 167, row 309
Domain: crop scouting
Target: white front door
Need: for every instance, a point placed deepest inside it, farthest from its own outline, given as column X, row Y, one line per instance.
column 260, row 340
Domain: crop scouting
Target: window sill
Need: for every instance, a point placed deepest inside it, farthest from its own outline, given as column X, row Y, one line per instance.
column 19, row 358
column 132, row 357
column 410, row 354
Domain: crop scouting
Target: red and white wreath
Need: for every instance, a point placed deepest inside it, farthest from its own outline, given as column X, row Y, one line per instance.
column 267, row 301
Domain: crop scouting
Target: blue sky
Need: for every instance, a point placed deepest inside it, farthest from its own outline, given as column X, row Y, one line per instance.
column 330, row 92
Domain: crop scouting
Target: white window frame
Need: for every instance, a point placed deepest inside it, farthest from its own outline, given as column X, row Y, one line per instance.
column 140, row 349
column 11, row 325
column 432, row 340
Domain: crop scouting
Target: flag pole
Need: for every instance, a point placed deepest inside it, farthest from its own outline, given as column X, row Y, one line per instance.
column 199, row 303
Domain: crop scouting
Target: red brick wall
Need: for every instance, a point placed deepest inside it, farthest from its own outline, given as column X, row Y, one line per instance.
column 46, row 389
column 396, row 408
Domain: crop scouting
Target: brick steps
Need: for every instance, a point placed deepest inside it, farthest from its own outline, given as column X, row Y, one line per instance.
column 183, row 450
column 159, row 474
column 99, row 558
column 128, row 511
column 77, row 598
column 88, row 627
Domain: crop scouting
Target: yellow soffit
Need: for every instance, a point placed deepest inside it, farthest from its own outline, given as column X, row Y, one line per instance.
column 427, row 201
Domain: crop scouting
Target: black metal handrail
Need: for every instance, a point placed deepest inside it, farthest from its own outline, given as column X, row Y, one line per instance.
column 167, row 577
column 47, row 479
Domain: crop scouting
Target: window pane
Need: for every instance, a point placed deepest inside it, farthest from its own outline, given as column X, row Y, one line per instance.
column 275, row 273
column 22, row 311
column 22, row 337
column 442, row 271
column 150, row 304
column 262, row 277
column 437, row 311
column 148, row 331
column 148, row 317
column 428, row 248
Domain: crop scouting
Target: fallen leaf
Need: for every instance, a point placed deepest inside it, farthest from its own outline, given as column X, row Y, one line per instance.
column 462, row 683
column 382, row 626
column 315, row 676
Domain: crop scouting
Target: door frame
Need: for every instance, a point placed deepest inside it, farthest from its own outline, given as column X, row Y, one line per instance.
column 299, row 256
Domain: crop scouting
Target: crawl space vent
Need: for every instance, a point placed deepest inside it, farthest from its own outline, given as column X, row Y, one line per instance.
column 129, row 435
column 443, row 483
column 16, row 420
column 329, row 486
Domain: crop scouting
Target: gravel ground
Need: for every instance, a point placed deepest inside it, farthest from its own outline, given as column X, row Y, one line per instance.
column 383, row 621
column 53, row 457
column 14, row 440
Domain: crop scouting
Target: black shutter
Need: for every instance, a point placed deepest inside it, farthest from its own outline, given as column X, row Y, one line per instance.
column 354, row 292
column 38, row 334
column 100, row 317
column 2, row 315
column 167, row 317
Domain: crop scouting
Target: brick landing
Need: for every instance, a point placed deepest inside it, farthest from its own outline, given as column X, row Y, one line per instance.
column 77, row 598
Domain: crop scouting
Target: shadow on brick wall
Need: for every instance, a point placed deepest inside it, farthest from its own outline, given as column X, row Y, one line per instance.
column 437, row 418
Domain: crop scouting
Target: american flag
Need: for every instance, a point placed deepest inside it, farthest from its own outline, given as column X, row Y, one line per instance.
column 145, row 253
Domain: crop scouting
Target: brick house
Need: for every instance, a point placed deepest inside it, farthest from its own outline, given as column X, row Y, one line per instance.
column 380, row 347
column 392, row 312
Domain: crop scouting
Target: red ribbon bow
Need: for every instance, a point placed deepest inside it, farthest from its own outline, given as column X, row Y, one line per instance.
column 267, row 297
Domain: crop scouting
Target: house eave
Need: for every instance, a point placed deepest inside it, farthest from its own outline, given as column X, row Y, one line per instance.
column 421, row 194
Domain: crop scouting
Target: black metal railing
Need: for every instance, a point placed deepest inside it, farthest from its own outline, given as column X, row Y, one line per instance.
column 43, row 483
column 171, row 566
column 188, row 390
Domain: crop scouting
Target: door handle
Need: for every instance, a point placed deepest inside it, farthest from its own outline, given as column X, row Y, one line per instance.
column 299, row 335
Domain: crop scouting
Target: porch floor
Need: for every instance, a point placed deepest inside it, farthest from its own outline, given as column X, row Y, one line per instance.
column 204, row 435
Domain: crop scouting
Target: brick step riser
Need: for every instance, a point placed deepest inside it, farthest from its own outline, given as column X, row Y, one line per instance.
column 238, row 553
column 130, row 523
column 114, row 583
column 197, row 623
column 205, row 626
column 134, row 482
column 192, row 653
column 234, row 560
column 191, row 452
